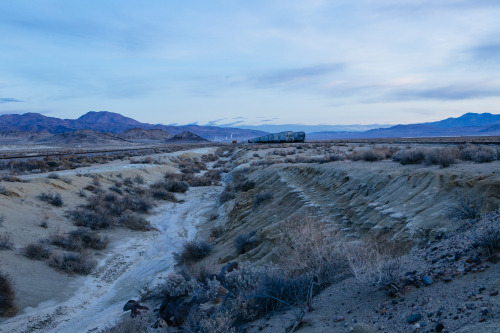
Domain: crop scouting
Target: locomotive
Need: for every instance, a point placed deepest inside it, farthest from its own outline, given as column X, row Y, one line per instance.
column 287, row 136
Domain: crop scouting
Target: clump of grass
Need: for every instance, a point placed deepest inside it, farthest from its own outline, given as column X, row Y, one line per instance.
column 160, row 194
column 441, row 156
column 37, row 251
column 490, row 239
column 376, row 260
column 7, row 295
column 134, row 221
column 94, row 219
column 53, row 199
column 410, row 156
column 193, row 251
column 478, row 153
column 72, row 263
column 6, row 241
column 467, row 206
column 371, row 155
column 176, row 186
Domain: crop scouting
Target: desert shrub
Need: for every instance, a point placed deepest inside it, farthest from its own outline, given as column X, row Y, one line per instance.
column 94, row 219
column 261, row 198
column 200, row 181
column 4, row 191
column 376, row 260
column 209, row 158
column 138, row 203
column 116, row 189
column 336, row 157
column 217, row 232
column 87, row 239
column 278, row 291
column 244, row 243
column 245, row 186
column 36, row 251
column 177, row 186
column 490, row 239
column 160, row 194
column 7, row 295
column 53, row 176
column 371, row 155
column 467, row 206
column 410, row 156
column 192, row 251
column 440, row 156
column 176, row 285
column 200, row 271
column 72, row 263
column 308, row 248
column 53, row 199
column 2, row 218
column 226, row 196
column 139, row 179
column 6, row 241
column 134, row 221
column 477, row 153
column 219, row 321
column 258, row 291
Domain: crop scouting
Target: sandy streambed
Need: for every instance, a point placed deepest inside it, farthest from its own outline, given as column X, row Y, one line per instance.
column 123, row 270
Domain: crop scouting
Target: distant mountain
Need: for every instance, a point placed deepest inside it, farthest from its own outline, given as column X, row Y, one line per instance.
column 104, row 121
column 468, row 120
column 469, row 124
column 140, row 134
column 83, row 137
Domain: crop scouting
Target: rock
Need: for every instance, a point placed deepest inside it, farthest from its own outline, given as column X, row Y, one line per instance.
column 134, row 307
column 494, row 293
column 439, row 327
column 427, row 280
column 416, row 327
column 339, row 318
column 129, row 305
column 414, row 318
column 363, row 328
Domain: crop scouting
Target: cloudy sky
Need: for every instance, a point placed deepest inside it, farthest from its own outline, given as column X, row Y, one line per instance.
column 251, row 62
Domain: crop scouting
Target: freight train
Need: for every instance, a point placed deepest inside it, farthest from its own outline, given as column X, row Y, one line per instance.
column 288, row 136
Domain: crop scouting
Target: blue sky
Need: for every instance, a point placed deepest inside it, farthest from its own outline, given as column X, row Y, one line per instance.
column 251, row 62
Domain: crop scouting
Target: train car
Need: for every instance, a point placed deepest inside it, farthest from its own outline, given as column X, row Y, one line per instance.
column 287, row 136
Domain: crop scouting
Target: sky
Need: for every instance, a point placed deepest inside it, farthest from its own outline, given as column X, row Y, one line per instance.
column 240, row 62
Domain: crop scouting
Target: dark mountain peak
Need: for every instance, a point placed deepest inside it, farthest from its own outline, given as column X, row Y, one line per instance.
column 141, row 133
column 186, row 136
column 107, row 117
column 467, row 119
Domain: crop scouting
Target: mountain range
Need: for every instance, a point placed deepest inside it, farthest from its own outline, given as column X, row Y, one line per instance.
column 110, row 122
column 108, row 126
column 469, row 124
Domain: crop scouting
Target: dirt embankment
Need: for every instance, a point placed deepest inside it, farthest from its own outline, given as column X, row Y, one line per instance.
column 411, row 203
